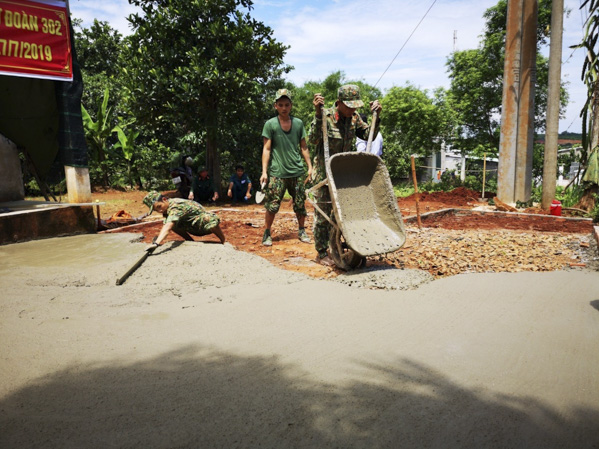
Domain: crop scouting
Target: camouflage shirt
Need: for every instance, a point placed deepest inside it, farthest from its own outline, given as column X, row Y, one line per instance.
column 341, row 131
column 187, row 214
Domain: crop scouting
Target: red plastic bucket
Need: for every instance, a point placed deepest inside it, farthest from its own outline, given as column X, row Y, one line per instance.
column 555, row 208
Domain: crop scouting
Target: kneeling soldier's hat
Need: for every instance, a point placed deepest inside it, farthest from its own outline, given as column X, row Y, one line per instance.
column 151, row 198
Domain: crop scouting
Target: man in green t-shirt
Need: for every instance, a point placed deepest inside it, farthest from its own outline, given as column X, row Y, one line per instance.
column 284, row 147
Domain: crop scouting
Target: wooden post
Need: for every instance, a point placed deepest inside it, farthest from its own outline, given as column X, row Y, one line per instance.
column 98, row 219
column 484, row 172
column 416, row 193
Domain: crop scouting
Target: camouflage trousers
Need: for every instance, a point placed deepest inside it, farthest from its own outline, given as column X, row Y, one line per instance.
column 200, row 225
column 276, row 191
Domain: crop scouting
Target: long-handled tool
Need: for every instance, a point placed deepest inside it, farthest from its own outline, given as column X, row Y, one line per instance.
column 142, row 259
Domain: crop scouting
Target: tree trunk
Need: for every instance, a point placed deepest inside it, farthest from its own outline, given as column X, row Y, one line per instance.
column 213, row 162
column 103, row 169
column 212, row 153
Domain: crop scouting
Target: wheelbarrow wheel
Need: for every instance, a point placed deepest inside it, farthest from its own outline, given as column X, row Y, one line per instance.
column 343, row 256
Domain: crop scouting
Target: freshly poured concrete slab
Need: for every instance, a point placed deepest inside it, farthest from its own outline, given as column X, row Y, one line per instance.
column 204, row 346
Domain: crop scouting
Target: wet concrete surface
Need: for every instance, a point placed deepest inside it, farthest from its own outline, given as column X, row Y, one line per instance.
column 205, row 346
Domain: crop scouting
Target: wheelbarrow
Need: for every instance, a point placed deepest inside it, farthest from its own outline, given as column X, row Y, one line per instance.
column 366, row 220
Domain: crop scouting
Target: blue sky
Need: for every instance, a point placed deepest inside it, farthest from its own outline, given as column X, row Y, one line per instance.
column 361, row 37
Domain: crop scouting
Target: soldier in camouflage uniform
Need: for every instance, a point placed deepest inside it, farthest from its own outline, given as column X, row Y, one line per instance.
column 343, row 125
column 184, row 217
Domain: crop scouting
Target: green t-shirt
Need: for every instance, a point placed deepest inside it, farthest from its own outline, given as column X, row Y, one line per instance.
column 285, row 152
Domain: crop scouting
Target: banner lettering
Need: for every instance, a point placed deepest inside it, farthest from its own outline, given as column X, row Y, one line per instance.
column 35, row 40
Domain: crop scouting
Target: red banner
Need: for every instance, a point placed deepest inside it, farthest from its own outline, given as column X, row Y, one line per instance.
column 35, row 40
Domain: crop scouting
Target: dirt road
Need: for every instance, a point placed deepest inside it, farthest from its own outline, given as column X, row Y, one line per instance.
column 243, row 354
column 448, row 244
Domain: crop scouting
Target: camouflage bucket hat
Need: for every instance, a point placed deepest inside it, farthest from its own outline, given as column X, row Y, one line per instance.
column 283, row 93
column 151, row 198
column 350, row 96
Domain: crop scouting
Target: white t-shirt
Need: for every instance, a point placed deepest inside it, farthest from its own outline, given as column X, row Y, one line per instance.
column 376, row 148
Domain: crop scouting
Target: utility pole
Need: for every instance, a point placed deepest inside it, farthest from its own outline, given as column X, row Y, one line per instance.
column 517, row 111
column 553, row 104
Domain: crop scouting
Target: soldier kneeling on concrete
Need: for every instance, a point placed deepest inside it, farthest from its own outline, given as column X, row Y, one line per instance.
column 184, row 217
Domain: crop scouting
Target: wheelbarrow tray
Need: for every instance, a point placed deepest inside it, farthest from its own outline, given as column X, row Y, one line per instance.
column 364, row 203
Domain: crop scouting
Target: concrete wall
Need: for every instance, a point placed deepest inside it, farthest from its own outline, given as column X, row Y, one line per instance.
column 11, row 177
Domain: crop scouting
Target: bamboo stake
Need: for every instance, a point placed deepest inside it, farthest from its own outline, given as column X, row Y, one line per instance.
column 416, row 193
column 484, row 172
column 99, row 220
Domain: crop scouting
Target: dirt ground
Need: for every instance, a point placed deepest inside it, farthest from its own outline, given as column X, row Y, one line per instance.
column 447, row 244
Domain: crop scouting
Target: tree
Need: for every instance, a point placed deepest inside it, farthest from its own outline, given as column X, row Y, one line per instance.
column 412, row 123
column 199, row 66
column 98, row 53
column 99, row 50
column 475, row 94
column 329, row 87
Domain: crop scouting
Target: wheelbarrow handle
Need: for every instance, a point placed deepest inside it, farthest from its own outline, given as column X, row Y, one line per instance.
column 325, row 136
column 371, row 133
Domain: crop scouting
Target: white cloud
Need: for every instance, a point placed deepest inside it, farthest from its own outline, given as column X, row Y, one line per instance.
column 115, row 12
column 361, row 37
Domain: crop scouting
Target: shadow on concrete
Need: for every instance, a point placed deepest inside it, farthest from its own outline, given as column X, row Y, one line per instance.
column 595, row 304
column 201, row 398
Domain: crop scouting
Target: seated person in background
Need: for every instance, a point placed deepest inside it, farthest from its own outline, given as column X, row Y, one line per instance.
column 377, row 142
column 240, row 186
column 183, row 217
column 202, row 188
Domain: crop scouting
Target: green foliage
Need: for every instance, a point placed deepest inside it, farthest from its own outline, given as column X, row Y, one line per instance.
column 569, row 197
column 98, row 51
column 303, row 107
column 202, row 65
column 194, row 78
column 126, row 143
column 594, row 214
column 590, row 74
column 475, row 94
column 403, row 189
column 98, row 48
column 97, row 133
column 412, row 123
column 32, row 188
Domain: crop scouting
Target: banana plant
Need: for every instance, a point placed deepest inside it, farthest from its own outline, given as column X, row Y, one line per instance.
column 126, row 144
column 590, row 110
column 98, row 132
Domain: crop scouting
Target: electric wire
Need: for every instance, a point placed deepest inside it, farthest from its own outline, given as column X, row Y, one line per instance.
column 402, row 47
